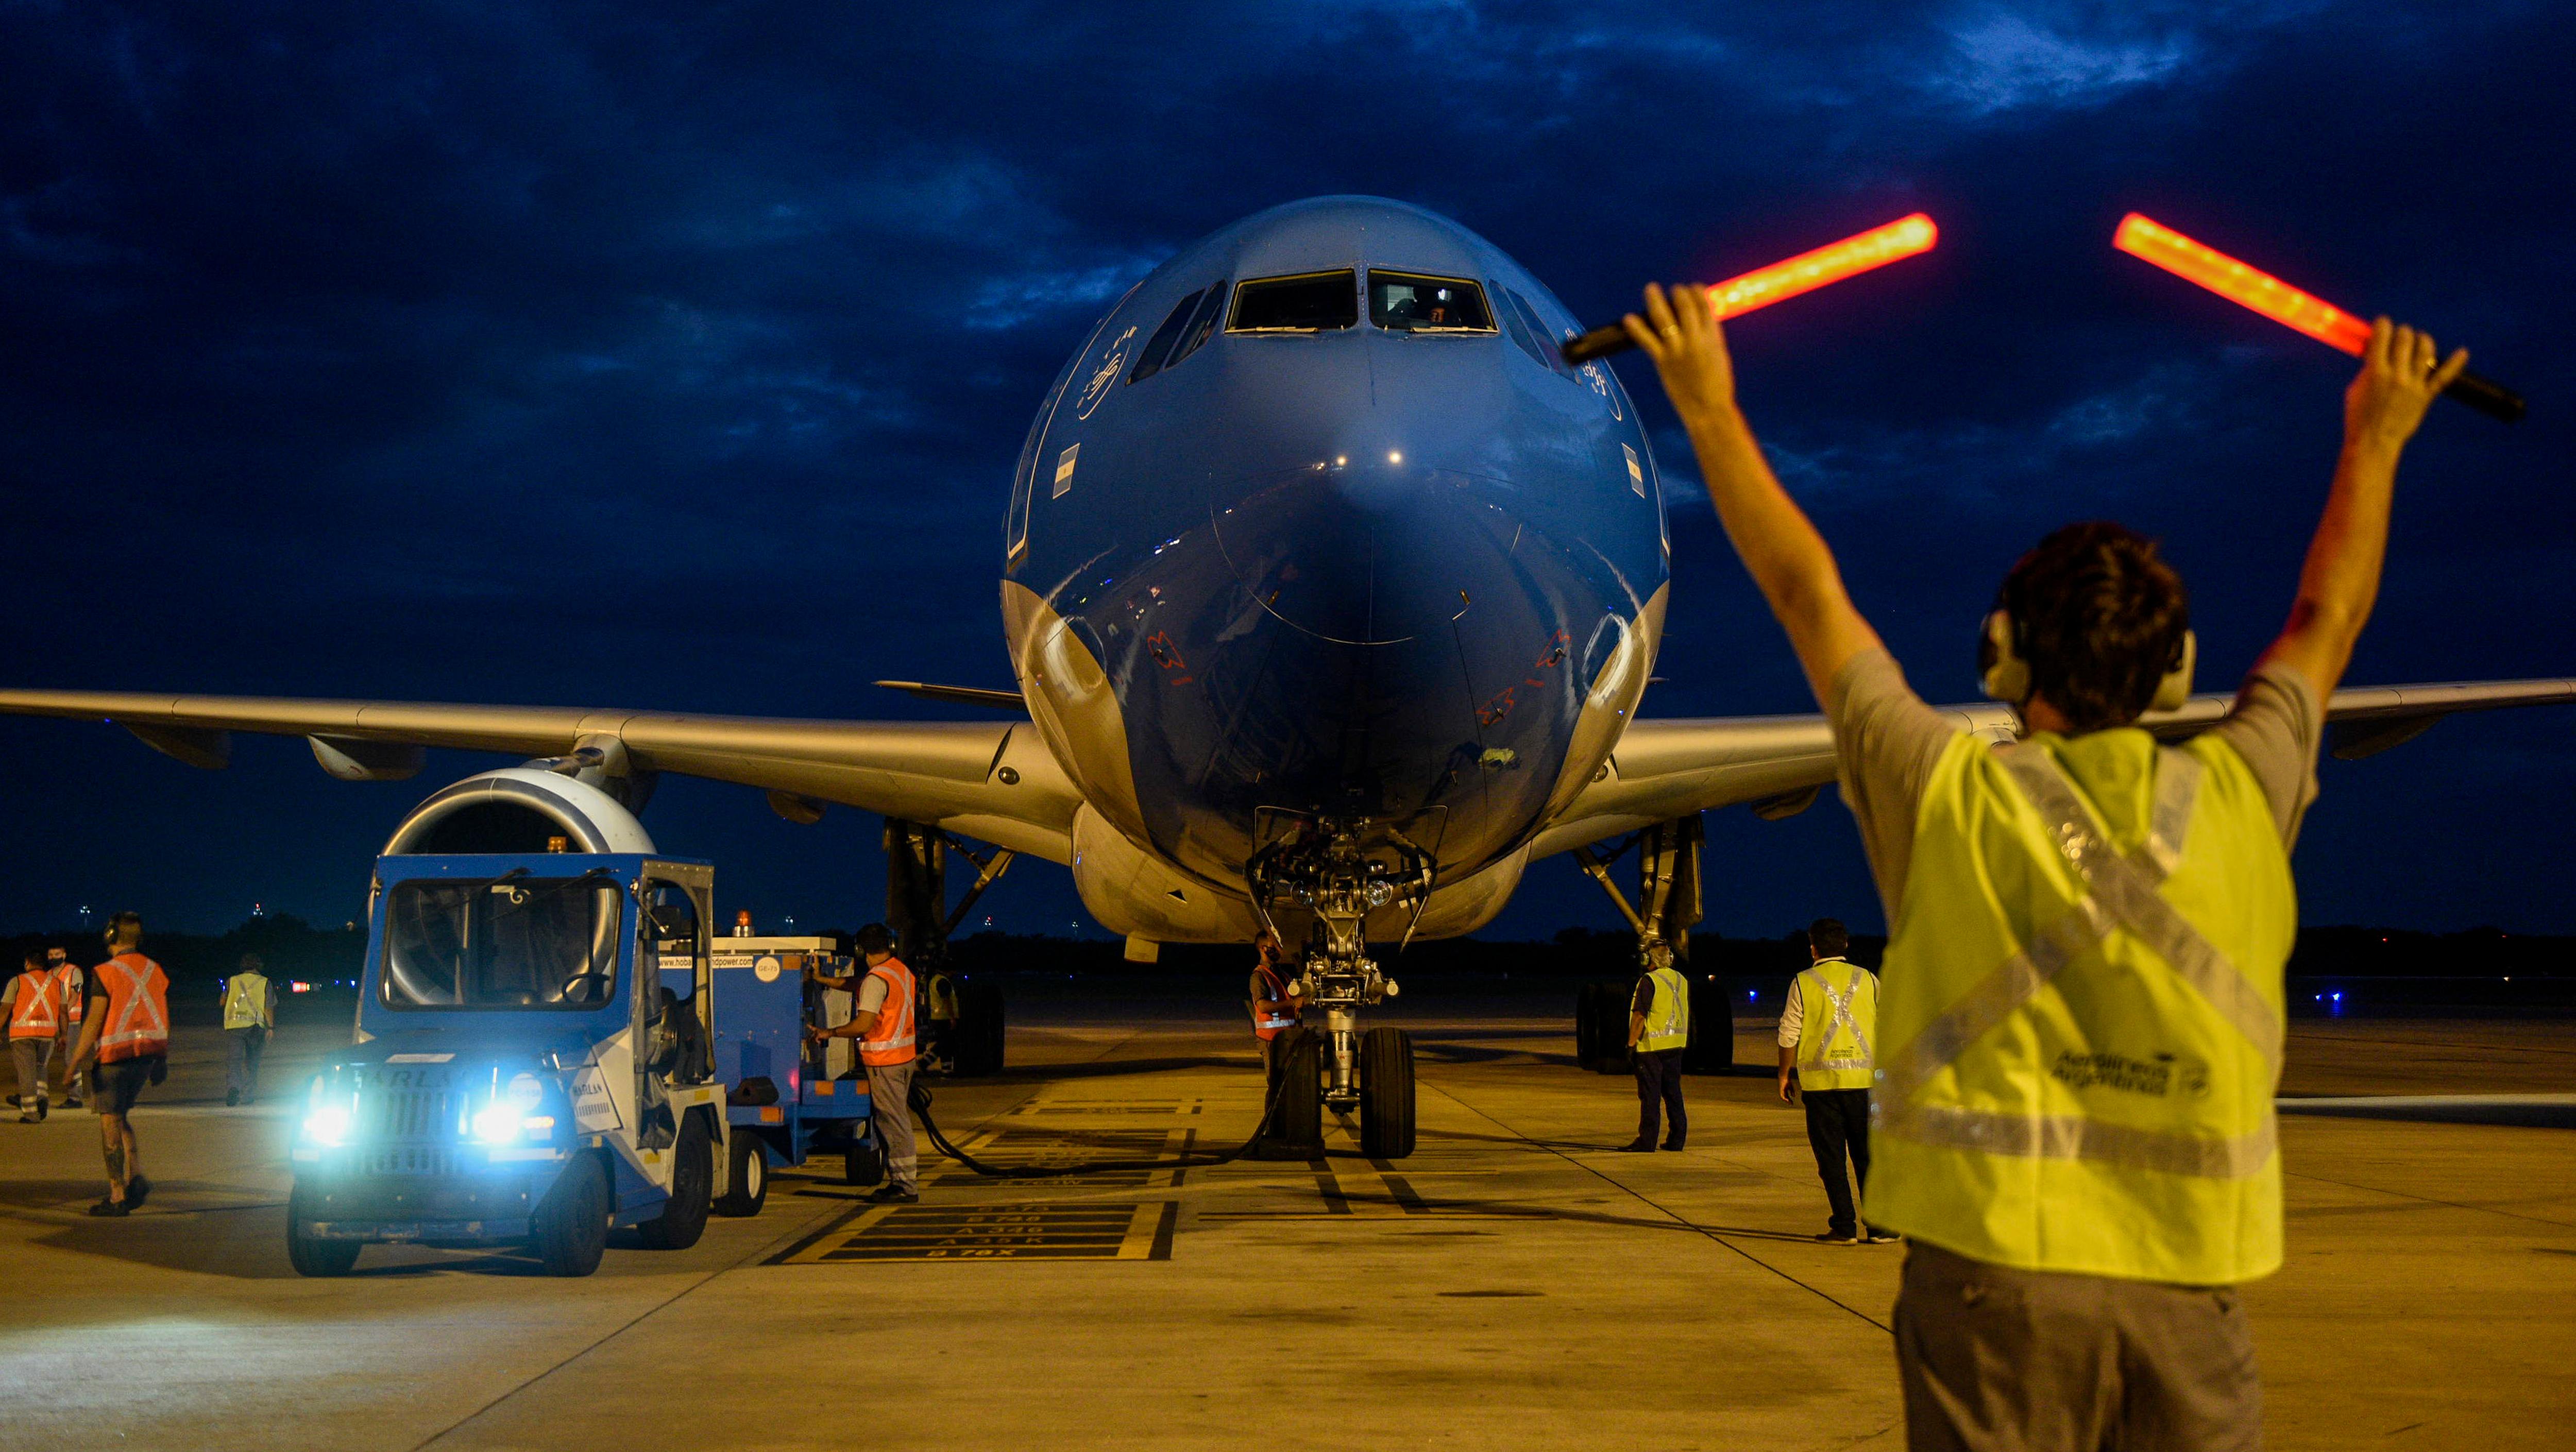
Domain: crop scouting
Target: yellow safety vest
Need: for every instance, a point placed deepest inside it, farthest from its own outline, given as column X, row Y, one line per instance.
column 2082, row 1026
column 246, row 1001
column 1668, row 1015
column 1839, row 1023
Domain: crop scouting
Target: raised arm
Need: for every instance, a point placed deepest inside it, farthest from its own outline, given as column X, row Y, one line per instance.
column 2400, row 377
column 1779, row 546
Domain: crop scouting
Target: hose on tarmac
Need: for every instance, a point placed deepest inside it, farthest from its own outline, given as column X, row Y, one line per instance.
column 920, row 1101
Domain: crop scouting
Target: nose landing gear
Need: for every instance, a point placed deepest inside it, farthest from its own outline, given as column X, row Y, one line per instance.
column 1321, row 869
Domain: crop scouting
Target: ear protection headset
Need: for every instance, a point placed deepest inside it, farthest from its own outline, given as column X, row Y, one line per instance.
column 2006, row 676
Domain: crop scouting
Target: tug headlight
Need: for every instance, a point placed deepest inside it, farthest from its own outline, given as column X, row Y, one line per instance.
column 328, row 1126
column 498, row 1123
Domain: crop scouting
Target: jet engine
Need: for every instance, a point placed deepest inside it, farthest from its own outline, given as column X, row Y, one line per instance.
column 519, row 809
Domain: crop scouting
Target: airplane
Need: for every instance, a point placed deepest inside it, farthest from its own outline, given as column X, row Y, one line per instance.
column 1331, row 589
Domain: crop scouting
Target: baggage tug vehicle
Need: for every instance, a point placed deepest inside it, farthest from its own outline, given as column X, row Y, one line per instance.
column 534, row 1062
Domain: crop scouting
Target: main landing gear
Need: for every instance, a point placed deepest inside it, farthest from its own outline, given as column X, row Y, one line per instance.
column 1320, row 869
column 1668, row 905
column 962, row 1020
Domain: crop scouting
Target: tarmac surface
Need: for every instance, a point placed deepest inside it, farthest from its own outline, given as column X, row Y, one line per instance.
column 1515, row 1283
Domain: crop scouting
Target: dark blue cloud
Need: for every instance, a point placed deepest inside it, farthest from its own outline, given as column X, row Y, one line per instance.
column 676, row 356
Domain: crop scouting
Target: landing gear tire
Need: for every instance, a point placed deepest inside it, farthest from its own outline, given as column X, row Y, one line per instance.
column 1601, row 1028
column 747, row 1180
column 310, row 1254
column 863, row 1163
column 1712, row 1034
column 1386, row 1094
column 572, row 1221
column 1297, row 1126
column 693, row 1180
column 978, row 1032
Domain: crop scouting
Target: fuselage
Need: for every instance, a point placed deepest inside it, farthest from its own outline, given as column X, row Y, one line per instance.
column 1353, row 545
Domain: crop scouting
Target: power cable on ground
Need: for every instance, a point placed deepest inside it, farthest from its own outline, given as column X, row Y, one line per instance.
column 920, row 1101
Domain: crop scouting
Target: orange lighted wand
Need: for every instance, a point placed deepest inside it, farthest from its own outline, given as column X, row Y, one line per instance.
column 1805, row 272
column 2151, row 241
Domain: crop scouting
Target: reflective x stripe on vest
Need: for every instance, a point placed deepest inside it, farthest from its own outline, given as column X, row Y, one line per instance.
column 1668, row 1018
column 889, row 1040
column 1833, row 1044
column 138, row 1009
column 33, row 1016
column 1269, row 1026
column 246, row 1001
column 2123, row 895
column 2099, row 1100
column 67, row 987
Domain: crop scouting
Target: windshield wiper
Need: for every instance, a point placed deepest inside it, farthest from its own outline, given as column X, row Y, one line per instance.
column 520, row 900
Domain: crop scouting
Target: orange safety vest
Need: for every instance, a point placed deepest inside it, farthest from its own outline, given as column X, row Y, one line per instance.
column 889, row 1041
column 67, row 979
column 138, row 1009
column 1271, row 1026
column 33, row 1016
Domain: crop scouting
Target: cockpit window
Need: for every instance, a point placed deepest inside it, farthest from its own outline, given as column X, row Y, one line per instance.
column 1403, row 303
column 1150, row 362
column 1313, row 302
column 1546, row 350
column 1211, row 304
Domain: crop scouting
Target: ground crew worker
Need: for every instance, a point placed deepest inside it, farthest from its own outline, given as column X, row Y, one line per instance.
column 125, row 1029
column 250, row 1016
column 33, row 1001
column 2083, row 1023
column 1827, row 1025
column 882, row 1023
column 71, row 990
column 1658, row 1035
column 1277, row 1002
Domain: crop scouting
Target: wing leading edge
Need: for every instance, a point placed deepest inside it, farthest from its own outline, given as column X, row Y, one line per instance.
column 1667, row 769
column 997, row 782
column 991, row 781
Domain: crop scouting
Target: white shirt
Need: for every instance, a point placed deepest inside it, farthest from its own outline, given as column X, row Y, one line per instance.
column 872, row 993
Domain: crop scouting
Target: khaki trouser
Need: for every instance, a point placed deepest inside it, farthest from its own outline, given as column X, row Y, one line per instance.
column 890, row 1100
column 30, row 1055
column 1994, row 1359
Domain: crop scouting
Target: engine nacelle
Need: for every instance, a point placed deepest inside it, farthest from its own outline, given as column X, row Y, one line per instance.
column 1129, row 891
column 518, row 809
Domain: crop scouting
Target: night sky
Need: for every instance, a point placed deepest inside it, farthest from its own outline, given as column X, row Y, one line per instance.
column 677, row 357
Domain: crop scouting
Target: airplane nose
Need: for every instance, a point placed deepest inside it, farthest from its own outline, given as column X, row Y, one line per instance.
column 1366, row 551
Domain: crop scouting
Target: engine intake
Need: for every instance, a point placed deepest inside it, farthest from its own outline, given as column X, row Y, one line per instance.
column 518, row 809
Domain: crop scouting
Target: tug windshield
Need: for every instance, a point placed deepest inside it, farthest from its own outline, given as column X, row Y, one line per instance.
column 518, row 943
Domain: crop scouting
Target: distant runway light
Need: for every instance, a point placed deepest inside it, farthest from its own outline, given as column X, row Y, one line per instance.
column 1763, row 286
column 2151, row 241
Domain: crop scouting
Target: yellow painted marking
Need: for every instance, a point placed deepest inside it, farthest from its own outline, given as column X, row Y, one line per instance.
column 1124, row 1231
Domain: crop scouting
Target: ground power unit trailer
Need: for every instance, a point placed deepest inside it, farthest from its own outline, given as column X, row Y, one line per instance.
column 546, row 1049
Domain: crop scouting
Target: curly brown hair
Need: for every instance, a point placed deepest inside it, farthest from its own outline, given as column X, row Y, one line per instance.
column 2100, row 618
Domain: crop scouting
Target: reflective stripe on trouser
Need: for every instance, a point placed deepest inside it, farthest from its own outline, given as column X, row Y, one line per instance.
column 890, row 1101
column 2121, row 895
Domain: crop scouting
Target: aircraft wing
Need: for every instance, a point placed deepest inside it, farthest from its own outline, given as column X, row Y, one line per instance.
column 992, row 781
column 1667, row 769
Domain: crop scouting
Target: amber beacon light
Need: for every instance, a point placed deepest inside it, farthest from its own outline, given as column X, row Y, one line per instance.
column 2151, row 241
column 1805, row 272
